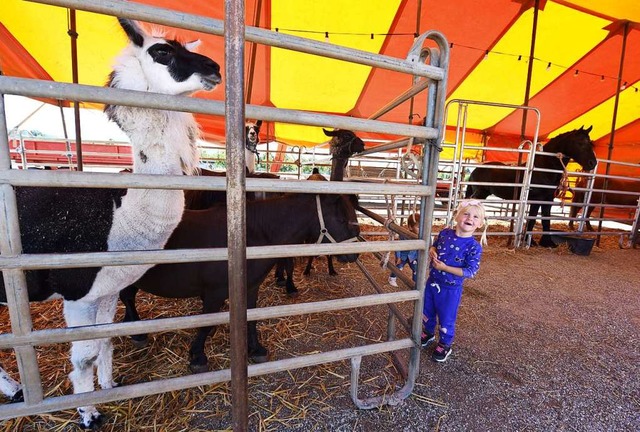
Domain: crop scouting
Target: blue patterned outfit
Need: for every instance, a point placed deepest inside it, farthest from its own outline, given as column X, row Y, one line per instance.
column 443, row 292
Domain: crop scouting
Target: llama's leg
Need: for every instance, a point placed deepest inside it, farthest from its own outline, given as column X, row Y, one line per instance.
column 106, row 312
column 307, row 269
column 10, row 387
column 332, row 271
column 291, row 286
column 128, row 299
column 83, row 357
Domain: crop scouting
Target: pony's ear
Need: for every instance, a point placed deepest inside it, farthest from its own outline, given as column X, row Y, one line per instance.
column 589, row 130
column 330, row 133
column 133, row 31
column 193, row 45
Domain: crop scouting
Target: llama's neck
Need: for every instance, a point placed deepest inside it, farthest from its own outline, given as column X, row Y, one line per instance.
column 338, row 166
column 163, row 142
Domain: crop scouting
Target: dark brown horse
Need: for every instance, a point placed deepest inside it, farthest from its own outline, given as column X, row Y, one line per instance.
column 289, row 219
column 576, row 145
column 609, row 197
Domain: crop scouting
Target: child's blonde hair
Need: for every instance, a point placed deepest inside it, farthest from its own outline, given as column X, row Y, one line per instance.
column 481, row 211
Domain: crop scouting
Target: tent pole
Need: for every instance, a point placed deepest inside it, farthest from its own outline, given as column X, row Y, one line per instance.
column 527, row 90
column 254, row 48
column 613, row 123
column 74, row 70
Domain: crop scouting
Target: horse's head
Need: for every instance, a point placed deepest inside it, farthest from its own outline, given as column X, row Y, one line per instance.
column 344, row 143
column 340, row 221
column 576, row 145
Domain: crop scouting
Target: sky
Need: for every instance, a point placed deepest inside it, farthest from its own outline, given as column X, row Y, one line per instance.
column 29, row 115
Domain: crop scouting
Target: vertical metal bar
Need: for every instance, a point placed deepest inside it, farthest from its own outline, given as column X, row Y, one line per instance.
column 254, row 49
column 613, row 124
column 236, row 214
column 14, row 280
column 74, row 70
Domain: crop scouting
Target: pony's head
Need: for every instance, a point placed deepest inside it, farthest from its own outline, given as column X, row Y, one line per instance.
column 344, row 143
column 339, row 214
column 577, row 145
column 154, row 64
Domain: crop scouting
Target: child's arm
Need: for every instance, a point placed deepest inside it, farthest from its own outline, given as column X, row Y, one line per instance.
column 468, row 270
column 439, row 265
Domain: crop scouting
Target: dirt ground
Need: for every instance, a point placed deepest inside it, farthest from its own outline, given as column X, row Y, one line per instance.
column 546, row 340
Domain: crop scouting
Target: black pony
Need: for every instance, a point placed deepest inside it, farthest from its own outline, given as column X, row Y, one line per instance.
column 289, row 219
column 576, row 145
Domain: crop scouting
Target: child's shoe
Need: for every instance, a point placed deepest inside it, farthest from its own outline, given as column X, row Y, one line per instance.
column 392, row 281
column 441, row 353
column 427, row 339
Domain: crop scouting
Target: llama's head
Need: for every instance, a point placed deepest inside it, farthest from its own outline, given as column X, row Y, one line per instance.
column 252, row 133
column 159, row 65
column 344, row 143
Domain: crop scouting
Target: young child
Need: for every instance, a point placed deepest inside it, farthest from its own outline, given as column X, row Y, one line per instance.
column 455, row 255
column 407, row 257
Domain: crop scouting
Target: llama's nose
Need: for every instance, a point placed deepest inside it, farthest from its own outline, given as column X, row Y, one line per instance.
column 212, row 68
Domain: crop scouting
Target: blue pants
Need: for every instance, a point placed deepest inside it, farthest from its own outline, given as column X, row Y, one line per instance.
column 412, row 264
column 441, row 303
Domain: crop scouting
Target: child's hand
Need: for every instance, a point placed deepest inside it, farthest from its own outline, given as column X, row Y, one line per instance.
column 433, row 254
column 437, row 264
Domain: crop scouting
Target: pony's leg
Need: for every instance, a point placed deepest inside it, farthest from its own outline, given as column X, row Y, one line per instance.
column 105, row 314
column 332, row 271
column 589, row 211
column 257, row 352
column 545, row 240
column 290, row 267
column 533, row 213
column 280, row 268
column 10, row 387
column 307, row 269
column 198, row 361
column 128, row 299
column 83, row 357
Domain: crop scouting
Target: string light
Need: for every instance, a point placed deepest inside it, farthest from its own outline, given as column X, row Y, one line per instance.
column 451, row 44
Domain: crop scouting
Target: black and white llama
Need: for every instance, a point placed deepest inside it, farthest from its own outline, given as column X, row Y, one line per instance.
column 252, row 133
column 62, row 220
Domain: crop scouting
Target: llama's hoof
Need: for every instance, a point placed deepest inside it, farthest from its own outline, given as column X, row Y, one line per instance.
column 292, row 292
column 18, row 397
column 198, row 368
column 90, row 420
column 140, row 342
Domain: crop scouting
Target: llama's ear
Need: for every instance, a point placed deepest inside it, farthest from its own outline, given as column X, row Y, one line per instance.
column 258, row 124
column 329, row 133
column 193, row 45
column 133, row 31
column 589, row 129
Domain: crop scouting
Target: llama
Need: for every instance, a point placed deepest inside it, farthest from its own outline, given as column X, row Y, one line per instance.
column 252, row 131
column 60, row 220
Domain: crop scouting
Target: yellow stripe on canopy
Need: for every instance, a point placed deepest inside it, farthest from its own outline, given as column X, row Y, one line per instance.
column 600, row 116
column 310, row 82
column 99, row 39
column 502, row 78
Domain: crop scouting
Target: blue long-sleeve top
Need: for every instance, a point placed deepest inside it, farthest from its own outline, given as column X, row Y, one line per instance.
column 461, row 252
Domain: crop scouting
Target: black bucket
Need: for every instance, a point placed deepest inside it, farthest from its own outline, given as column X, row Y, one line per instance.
column 577, row 245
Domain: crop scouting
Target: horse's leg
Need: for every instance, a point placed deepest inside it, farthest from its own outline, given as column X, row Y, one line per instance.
column 290, row 267
column 281, row 264
column 545, row 240
column 128, row 299
column 10, row 387
column 83, row 357
column 307, row 269
column 332, row 271
column 257, row 352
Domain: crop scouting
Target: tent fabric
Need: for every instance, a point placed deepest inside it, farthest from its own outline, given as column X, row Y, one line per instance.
column 576, row 64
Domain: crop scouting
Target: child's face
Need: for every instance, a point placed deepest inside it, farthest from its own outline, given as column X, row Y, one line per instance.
column 468, row 220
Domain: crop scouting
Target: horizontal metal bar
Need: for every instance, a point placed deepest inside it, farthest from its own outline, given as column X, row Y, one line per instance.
column 196, row 380
column 178, row 19
column 64, row 178
column 120, row 258
column 78, row 92
column 53, row 336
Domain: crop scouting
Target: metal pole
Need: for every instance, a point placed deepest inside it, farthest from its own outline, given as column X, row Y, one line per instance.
column 74, row 70
column 613, row 124
column 236, row 212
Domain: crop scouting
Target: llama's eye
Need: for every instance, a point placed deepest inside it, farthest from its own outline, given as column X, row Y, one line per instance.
column 161, row 53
